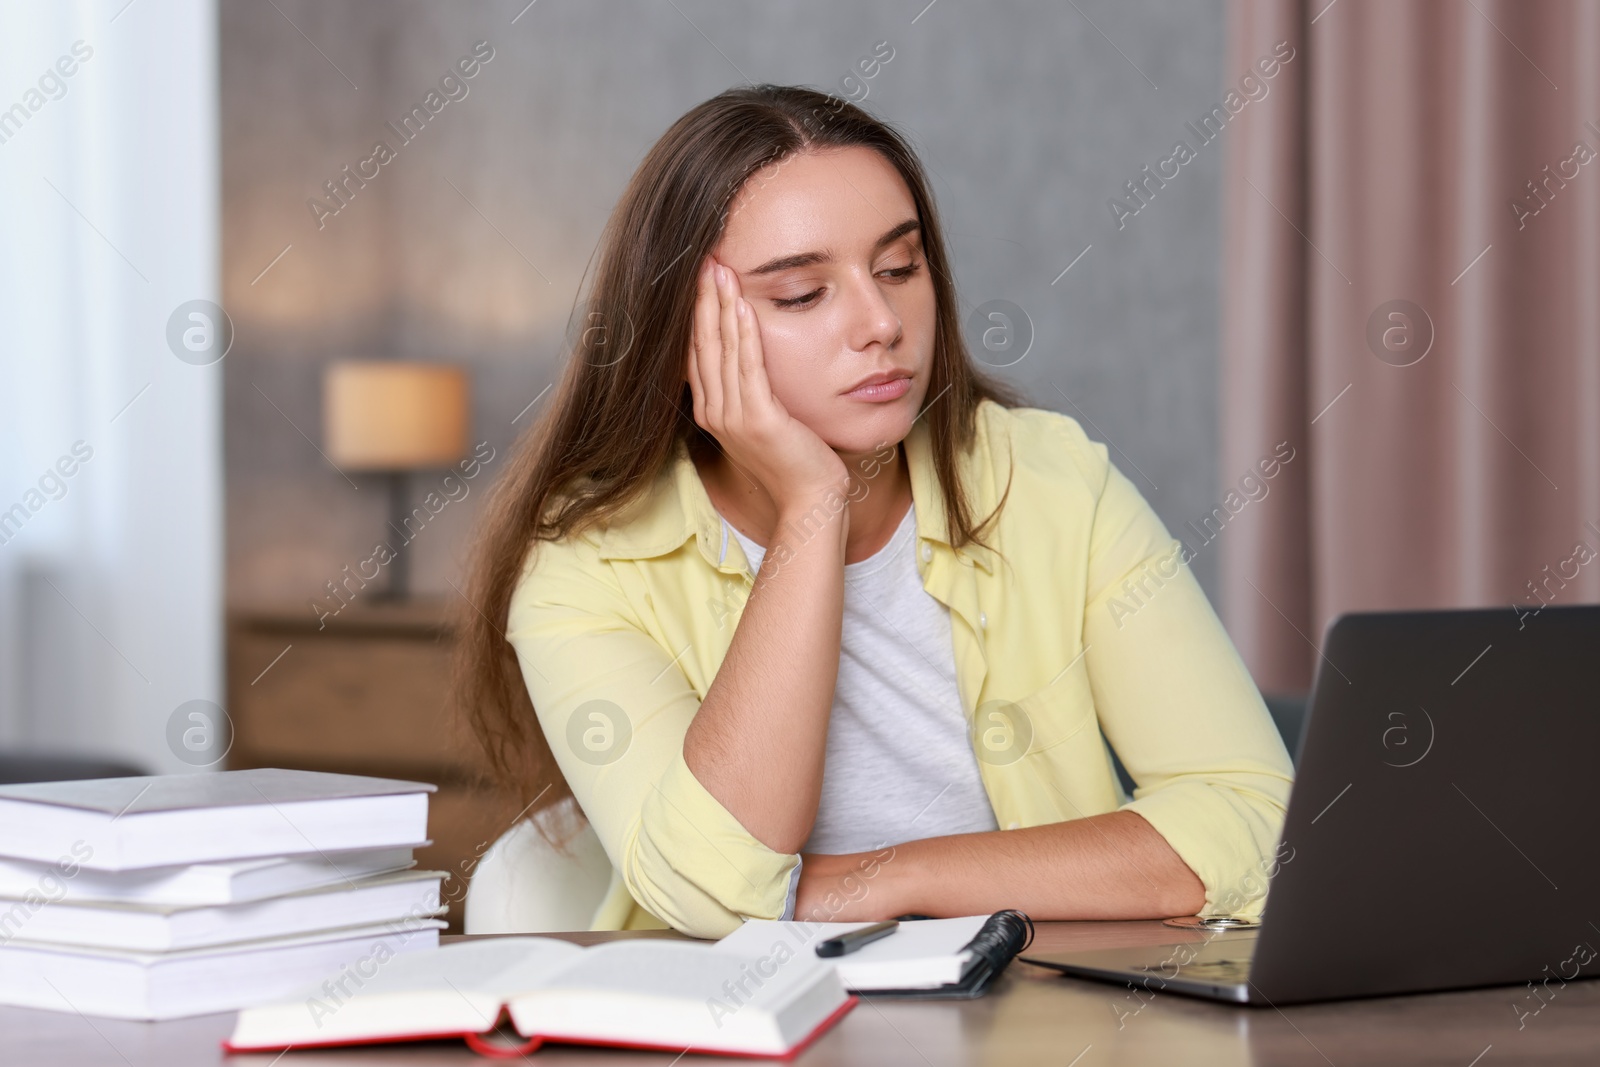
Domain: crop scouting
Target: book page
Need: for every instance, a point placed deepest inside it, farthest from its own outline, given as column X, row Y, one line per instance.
column 676, row 969
column 675, row 994
column 455, row 989
column 499, row 967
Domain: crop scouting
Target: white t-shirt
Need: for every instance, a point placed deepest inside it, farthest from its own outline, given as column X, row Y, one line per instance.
column 899, row 765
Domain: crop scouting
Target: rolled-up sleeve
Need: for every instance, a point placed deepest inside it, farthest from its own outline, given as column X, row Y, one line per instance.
column 1179, row 707
column 614, row 707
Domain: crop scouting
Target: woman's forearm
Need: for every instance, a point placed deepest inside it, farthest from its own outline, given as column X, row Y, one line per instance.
column 758, row 740
column 1109, row 866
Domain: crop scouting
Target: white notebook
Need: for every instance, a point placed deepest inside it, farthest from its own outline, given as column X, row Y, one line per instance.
column 920, row 954
column 222, row 882
column 167, row 928
column 113, row 824
column 647, row 993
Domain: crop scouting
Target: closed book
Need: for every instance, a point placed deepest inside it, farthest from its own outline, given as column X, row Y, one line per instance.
column 169, row 985
column 218, row 882
column 114, row 824
column 661, row 994
column 167, row 928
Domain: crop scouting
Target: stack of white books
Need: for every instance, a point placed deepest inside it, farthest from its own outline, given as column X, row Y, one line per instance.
column 176, row 895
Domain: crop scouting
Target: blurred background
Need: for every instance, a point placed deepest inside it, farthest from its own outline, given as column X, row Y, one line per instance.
column 283, row 280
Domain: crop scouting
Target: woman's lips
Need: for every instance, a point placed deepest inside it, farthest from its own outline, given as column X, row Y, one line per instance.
column 890, row 390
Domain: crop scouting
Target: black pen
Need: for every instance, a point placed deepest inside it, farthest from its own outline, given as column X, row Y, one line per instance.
column 853, row 939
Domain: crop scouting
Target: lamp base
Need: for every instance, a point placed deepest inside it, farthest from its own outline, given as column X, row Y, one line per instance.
column 398, row 588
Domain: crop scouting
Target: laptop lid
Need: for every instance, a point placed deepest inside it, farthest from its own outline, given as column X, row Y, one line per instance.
column 1444, row 809
column 1440, row 832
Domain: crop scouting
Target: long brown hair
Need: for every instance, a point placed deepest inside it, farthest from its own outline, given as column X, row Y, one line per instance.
column 622, row 402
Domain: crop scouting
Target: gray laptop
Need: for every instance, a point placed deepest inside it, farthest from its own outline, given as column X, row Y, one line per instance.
column 1442, row 828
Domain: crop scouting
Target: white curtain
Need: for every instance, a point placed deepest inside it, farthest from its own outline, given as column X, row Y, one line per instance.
column 110, row 445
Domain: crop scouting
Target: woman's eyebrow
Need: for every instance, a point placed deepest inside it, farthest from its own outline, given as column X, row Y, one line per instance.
column 807, row 259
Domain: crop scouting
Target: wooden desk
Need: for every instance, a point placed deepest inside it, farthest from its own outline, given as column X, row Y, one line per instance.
column 1031, row 1017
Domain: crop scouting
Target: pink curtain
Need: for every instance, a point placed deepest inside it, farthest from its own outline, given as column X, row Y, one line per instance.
column 1411, row 299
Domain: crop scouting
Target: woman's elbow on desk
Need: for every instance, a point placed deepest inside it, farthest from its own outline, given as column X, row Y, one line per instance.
column 702, row 879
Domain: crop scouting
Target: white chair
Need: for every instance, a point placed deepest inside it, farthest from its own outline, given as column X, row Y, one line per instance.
column 523, row 885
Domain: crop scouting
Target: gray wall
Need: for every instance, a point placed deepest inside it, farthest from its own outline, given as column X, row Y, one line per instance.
column 470, row 245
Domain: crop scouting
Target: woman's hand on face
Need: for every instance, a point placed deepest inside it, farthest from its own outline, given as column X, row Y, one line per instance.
column 734, row 401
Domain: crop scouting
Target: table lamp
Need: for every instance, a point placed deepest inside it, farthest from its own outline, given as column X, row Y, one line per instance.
column 391, row 418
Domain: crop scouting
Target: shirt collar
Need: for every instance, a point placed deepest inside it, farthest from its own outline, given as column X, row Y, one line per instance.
column 678, row 508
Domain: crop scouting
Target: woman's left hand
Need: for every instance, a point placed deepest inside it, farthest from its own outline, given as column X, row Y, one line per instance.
column 856, row 887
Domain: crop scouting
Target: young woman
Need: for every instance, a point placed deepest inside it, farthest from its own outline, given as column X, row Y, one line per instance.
column 810, row 617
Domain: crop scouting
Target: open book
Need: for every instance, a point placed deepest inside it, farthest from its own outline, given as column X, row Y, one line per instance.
column 636, row 993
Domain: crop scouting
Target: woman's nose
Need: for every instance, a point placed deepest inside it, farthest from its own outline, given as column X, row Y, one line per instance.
column 873, row 317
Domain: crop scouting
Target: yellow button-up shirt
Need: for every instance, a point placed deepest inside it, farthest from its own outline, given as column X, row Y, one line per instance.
column 1083, row 626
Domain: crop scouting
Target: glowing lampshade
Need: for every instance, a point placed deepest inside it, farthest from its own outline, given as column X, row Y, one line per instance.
column 392, row 416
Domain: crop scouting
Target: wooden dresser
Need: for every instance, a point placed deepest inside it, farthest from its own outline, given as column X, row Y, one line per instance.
column 365, row 694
